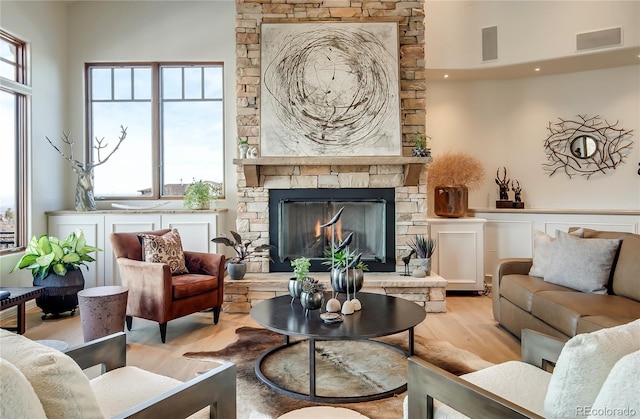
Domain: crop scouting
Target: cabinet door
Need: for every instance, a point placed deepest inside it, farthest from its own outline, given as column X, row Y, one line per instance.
column 124, row 223
column 93, row 228
column 196, row 230
column 459, row 252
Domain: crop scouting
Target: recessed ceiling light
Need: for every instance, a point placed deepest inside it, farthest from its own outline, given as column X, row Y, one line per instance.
column 537, row 69
column 446, row 76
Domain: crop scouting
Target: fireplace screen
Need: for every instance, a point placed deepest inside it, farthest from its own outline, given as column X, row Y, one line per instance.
column 301, row 235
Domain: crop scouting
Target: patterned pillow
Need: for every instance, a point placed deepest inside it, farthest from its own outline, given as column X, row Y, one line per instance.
column 164, row 249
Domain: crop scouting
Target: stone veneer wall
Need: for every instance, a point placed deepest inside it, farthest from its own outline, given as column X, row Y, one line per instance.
column 252, row 210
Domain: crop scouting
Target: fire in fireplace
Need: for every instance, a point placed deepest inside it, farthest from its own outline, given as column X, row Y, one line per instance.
column 295, row 217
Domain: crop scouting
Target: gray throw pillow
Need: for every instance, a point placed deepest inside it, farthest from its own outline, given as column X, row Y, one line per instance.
column 581, row 264
column 543, row 251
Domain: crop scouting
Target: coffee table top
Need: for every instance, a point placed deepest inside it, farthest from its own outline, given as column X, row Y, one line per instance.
column 381, row 315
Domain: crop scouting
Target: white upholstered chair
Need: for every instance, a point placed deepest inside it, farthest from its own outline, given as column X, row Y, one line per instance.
column 595, row 374
column 39, row 382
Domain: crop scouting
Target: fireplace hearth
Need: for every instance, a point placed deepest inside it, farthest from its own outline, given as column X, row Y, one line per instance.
column 296, row 216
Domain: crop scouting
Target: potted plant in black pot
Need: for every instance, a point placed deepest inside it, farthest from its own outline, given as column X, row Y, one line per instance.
column 236, row 266
column 55, row 264
column 312, row 295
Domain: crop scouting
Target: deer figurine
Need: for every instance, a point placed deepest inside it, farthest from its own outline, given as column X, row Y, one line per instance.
column 517, row 190
column 85, row 200
column 503, row 184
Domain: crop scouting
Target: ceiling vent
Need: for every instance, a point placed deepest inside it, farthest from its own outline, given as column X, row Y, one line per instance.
column 490, row 43
column 599, row 39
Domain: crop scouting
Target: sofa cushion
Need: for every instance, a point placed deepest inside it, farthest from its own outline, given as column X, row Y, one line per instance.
column 18, row 399
column 519, row 289
column 588, row 324
column 164, row 249
column 583, row 367
column 626, row 280
column 543, row 251
column 563, row 309
column 618, row 396
column 61, row 386
column 192, row 284
column 113, row 389
column 582, row 264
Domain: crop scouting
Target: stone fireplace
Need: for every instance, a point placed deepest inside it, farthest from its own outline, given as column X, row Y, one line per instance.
column 403, row 174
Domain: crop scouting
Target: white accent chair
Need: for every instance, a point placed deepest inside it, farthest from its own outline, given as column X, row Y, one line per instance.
column 595, row 375
column 39, row 382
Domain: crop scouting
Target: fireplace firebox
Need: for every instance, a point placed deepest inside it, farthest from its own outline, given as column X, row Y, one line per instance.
column 295, row 217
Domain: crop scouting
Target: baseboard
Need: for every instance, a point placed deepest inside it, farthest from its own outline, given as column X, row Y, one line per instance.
column 11, row 313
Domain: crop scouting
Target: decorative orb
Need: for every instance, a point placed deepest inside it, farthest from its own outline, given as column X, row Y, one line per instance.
column 357, row 306
column 418, row 273
column 347, row 308
column 333, row 305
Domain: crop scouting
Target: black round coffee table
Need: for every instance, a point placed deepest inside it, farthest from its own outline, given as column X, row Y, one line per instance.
column 381, row 315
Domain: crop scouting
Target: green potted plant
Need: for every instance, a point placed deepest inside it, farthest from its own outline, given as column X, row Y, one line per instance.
column 199, row 195
column 338, row 261
column 55, row 264
column 301, row 267
column 420, row 146
column 236, row 266
column 424, row 248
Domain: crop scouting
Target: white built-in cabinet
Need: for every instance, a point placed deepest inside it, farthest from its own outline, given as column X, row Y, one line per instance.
column 459, row 253
column 196, row 228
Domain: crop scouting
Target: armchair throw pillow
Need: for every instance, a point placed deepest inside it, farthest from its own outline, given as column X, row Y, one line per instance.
column 583, row 366
column 582, row 264
column 164, row 249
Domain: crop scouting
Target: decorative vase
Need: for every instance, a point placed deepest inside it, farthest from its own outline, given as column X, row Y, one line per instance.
column 85, row 200
column 242, row 150
column 237, row 270
column 451, row 201
column 60, row 293
column 425, row 264
column 340, row 280
column 311, row 300
column 295, row 288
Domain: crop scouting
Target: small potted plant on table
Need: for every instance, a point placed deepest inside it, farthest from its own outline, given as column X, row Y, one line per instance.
column 312, row 295
column 301, row 267
column 424, row 248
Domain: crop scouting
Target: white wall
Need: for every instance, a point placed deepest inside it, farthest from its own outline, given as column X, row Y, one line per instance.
column 527, row 30
column 144, row 31
column 504, row 123
column 44, row 26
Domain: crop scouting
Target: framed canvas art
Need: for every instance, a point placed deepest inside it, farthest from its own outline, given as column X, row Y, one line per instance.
column 330, row 89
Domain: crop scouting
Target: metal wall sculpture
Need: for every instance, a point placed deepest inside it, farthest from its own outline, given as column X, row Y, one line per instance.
column 585, row 146
column 330, row 89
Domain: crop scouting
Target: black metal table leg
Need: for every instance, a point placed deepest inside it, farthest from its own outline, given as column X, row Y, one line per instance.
column 312, row 369
column 411, row 335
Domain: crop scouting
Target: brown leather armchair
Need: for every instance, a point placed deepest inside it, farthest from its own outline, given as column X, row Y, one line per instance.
column 154, row 294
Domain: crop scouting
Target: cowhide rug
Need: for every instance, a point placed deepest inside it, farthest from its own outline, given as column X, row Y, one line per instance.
column 380, row 368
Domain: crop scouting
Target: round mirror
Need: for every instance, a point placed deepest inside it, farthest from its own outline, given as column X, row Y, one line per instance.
column 584, row 146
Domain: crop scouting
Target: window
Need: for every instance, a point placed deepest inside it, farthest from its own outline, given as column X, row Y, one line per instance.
column 173, row 114
column 14, row 92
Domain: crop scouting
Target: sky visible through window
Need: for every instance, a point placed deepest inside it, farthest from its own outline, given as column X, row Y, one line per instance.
column 191, row 125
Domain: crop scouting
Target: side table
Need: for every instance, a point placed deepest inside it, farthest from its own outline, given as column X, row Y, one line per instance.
column 18, row 297
column 102, row 310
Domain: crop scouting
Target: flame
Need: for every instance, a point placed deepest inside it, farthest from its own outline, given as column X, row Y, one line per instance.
column 316, row 229
column 338, row 228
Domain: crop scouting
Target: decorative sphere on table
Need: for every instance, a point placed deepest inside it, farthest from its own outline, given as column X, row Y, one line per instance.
column 357, row 306
column 347, row 307
column 333, row 305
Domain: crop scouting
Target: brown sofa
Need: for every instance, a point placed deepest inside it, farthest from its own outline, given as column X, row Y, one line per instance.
column 521, row 301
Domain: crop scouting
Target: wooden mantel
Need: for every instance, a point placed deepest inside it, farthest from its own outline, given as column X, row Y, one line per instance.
column 412, row 165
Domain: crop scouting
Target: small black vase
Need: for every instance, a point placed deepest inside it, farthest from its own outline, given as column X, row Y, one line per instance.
column 60, row 292
column 311, row 300
column 295, row 288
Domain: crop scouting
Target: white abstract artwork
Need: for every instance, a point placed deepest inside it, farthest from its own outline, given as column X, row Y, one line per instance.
column 330, row 89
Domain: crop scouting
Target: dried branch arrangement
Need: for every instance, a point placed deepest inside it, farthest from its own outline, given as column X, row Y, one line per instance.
column 613, row 146
column 456, row 169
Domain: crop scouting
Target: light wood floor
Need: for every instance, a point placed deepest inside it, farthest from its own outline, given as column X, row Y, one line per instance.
column 468, row 324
